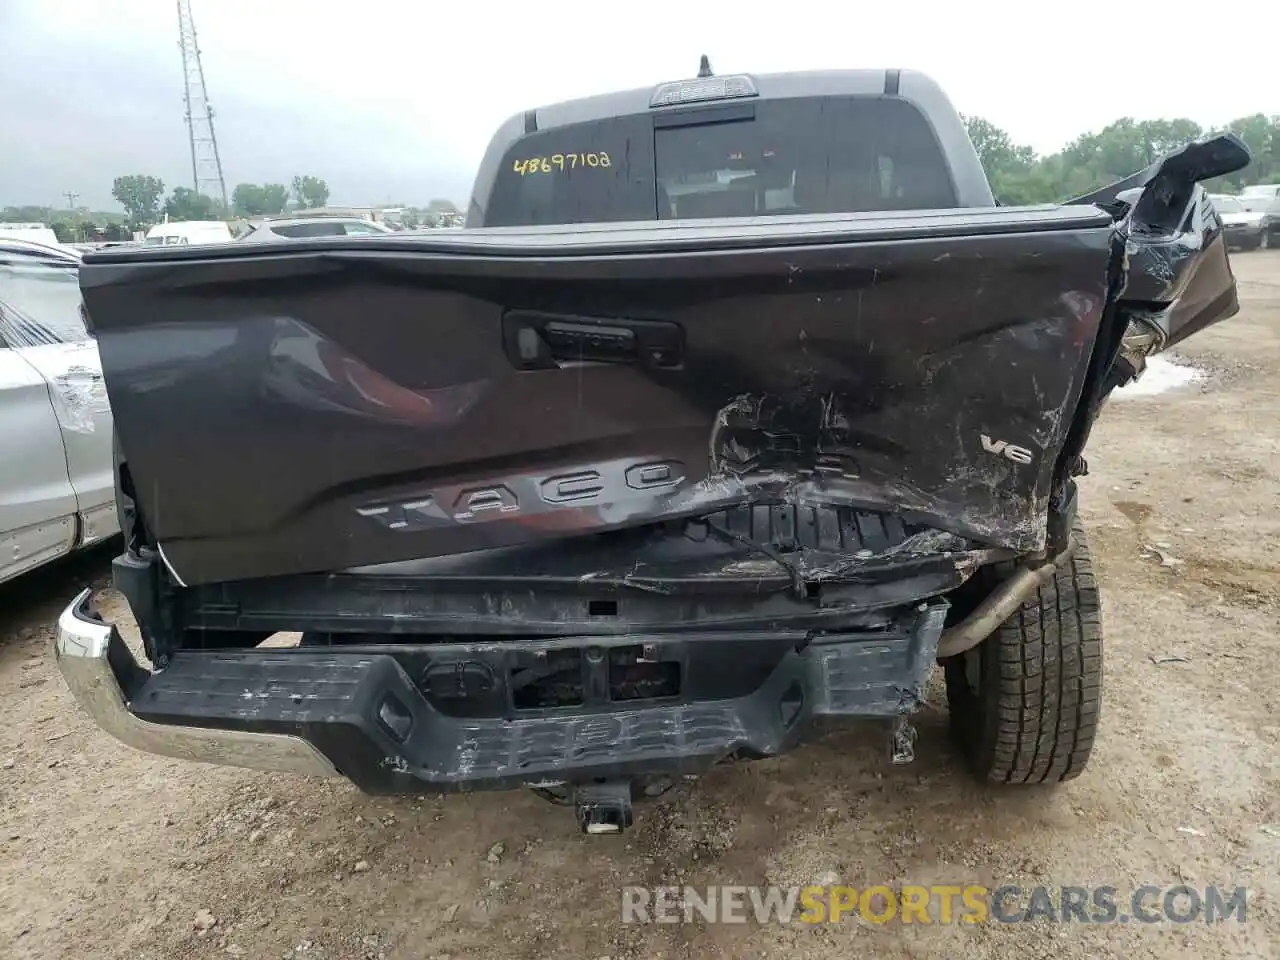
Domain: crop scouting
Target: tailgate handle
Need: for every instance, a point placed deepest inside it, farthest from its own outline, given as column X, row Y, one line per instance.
column 541, row 341
column 571, row 341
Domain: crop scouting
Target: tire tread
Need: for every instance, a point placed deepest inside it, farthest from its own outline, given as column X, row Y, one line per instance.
column 1035, row 715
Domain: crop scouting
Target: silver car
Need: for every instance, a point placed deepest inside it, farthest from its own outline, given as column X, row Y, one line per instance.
column 1242, row 228
column 298, row 227
column 57, row 492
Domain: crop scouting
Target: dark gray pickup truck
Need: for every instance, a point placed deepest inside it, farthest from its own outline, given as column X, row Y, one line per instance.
column 738, row 405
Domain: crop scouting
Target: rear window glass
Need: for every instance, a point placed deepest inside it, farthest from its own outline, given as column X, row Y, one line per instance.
column 580, row 173
column 800, row 156
column 318, row 228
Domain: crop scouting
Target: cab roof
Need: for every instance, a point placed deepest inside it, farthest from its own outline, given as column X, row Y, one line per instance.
column 806, row 83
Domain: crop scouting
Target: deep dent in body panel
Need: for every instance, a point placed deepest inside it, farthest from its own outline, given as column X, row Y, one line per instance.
column 746, row 440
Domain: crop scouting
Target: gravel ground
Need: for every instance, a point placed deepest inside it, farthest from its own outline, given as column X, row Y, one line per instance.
column 110, row 853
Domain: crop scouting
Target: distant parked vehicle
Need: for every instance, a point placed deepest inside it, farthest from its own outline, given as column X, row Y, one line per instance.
column 1264, row 198
column 184, row 232
column 1242, row 228
column 33, row 232
column 57, row 483
column 38, row 233
column 296, row 228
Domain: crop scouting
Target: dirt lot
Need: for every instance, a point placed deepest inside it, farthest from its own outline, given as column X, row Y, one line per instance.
column 106, row 852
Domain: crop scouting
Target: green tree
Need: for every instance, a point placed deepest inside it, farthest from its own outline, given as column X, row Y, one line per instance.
column 28, row 214
column 1095, row 159
column 140, row 195
column 440, row 205
column 1261, row 134
column 1010, row 167
column 185, row 204
column 276, row 198
column 247, row 200
column 1123, row 147
column 310, row 192
column 51, row 215
column 996, row 148
column 259, row 199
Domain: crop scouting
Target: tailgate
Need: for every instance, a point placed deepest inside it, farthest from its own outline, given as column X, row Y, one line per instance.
column 327, row 404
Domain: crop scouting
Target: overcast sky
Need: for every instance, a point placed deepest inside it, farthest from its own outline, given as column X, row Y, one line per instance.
column 394, row 100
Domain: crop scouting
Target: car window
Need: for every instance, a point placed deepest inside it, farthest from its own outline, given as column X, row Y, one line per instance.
column 578, row 173
column 318, row 228
column 363, row 230
column 806, row 155
column 812, row 155
column 1227, row 205
column 39, row 302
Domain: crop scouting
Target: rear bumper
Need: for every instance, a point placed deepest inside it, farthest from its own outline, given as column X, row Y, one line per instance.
column 99, row 667
column 359, row 713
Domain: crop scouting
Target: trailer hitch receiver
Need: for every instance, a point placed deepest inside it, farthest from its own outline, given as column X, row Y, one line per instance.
column 603, row 807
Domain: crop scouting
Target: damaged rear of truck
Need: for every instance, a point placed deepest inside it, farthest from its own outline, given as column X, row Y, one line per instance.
column 738, row 406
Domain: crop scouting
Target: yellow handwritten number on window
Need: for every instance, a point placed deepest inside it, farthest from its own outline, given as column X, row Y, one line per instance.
column 560, row 162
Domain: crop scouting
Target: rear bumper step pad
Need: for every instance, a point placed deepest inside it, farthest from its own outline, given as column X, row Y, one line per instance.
column 358, row 713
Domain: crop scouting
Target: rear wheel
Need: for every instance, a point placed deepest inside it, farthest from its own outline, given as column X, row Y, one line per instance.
column 1025, row 702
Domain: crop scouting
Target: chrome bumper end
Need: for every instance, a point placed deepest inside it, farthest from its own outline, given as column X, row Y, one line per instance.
column 98, row 667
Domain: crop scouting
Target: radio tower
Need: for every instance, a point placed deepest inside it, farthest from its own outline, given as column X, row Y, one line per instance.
column 206, row 165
